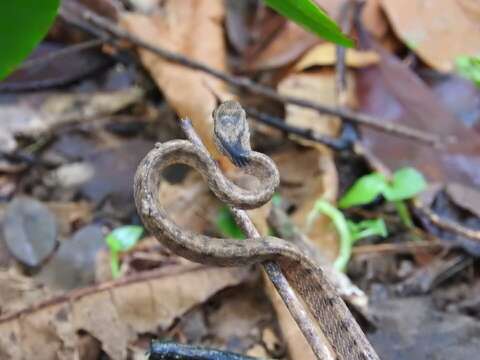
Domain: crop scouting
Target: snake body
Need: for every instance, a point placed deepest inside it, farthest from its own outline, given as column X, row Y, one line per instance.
column 345, row 336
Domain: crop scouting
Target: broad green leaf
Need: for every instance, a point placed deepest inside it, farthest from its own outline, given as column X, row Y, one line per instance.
column 23, row 24
column 469, row 67
column 308, row 15
column 124, row 238
column 227, row 226
column 364, row 191
column 407, row 182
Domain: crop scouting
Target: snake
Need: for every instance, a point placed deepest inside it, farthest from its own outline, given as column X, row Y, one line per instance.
column 231, row 133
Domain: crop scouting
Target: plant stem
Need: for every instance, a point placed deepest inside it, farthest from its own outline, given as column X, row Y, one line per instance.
column 114, row 264
column 341, row 226
column 403, row 212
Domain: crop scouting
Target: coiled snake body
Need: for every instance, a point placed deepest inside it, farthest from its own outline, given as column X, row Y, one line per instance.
column 345, row 336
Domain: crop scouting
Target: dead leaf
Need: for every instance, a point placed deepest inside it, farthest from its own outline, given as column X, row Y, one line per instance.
column 276, row 42
column 192, row 28
column 298, row 347
column 306, row 176
column 37, row 114
column 319, row 87
column 438, row 31
column 29, row 230
column 374, row 19
column 464, row 197
column 73, row 265
column 393, row 92
column 62, row 70
column 18, row 292
column 325, row 55
column 290, row 42
column 112, row 312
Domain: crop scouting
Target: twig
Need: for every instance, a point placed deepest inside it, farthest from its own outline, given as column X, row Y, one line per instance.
column 61, row 53
column 400, row 248
column 293, row 303
column 245, row 83
column 447, row 224
column 309, row 134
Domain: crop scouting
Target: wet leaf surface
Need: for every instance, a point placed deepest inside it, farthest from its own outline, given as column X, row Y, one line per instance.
column 412, row 329
column 29, row 230
column 73, row 265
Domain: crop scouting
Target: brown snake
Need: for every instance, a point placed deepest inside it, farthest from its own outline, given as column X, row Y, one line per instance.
column 345, row 337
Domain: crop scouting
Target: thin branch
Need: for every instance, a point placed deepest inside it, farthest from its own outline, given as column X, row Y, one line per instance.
column 104, row 24
column 61, row 53
column 308, row 134
column 446, row 224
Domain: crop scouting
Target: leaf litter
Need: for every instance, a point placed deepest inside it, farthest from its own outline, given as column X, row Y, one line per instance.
column 73, row 151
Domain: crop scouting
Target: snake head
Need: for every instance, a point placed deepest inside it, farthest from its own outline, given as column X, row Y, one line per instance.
column 232, row 134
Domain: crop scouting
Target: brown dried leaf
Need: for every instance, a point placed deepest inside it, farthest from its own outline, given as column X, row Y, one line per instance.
column 465, row 197
column 438, row 31
column 290, row 42
column 192, row 28
column 298, row 348
column 325, row 55
column 306, row 176
column 319, row 87
column 374, row 19
column 111, row 312
column 26, row 118
column 395, row 93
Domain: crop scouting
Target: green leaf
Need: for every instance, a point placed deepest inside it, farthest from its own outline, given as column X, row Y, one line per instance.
column 407, row 182
column 366, row 228
column 364, row 191
column 23, row 24
column 469, row 67
column 308, row 15
column 227, row 226
column 124, row 238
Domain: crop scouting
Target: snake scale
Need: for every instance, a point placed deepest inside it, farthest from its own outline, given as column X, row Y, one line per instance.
column 344, row 335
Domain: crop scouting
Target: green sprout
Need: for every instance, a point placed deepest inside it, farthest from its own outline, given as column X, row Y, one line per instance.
column 121, row 240
column 469, row 68
column 406, row 183
column 349, row 231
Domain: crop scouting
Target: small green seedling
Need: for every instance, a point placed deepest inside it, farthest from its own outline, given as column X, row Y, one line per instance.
column 469, row 68
column 120, row 240
column 349, row 231
column 406, row 183
column 307, row 14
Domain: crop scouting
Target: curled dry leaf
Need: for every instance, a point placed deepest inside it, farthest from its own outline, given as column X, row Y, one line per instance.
column 438, row 31
column 113, row 313
column 194, row 29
